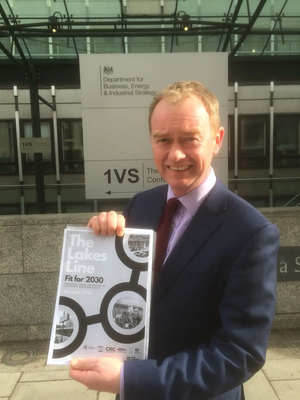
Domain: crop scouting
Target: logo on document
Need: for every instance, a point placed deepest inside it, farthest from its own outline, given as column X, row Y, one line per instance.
column 108, row 70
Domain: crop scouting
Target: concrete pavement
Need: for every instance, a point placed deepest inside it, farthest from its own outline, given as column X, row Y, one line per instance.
column 35, row 380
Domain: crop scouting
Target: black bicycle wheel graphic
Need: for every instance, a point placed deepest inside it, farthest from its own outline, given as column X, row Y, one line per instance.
column 129, row 262
column 82, row 328
column 109, row 329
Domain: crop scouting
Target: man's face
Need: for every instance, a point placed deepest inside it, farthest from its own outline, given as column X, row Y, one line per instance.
column 182, row 143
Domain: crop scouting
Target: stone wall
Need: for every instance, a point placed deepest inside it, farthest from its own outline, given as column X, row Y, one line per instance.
column 288, row 293
column 30, row 250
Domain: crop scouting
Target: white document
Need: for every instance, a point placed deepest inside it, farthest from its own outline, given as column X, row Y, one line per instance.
column 103, row 298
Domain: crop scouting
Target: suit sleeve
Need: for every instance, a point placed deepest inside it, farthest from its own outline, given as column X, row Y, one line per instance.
column 236, row 350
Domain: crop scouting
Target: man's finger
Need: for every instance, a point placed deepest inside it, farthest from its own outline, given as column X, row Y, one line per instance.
column 103, row 223
column 112, row 219
column 120, row 225
column 95, row 224
column 84, row 364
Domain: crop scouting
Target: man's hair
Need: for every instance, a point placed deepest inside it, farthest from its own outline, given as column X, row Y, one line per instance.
column 181, row 90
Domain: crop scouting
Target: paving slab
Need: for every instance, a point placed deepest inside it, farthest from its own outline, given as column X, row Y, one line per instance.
column 8, row 382
column 282, row 370
column 287, row 390
column 258, row 388
column 49, row 390
column 45, row 376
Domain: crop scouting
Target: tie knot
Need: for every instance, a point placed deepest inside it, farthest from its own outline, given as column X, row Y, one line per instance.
column 172, row 205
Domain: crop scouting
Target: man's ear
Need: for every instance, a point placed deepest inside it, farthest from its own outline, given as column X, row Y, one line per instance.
column 218, row 140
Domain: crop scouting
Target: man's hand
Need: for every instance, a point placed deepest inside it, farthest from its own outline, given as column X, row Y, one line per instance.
column 108, row 224
column 101, row 374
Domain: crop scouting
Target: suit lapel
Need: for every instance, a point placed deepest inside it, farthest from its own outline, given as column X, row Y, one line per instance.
column 201, row 229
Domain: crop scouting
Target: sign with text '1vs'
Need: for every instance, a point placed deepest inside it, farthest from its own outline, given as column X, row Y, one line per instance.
column 117, row 90
column 122, row 178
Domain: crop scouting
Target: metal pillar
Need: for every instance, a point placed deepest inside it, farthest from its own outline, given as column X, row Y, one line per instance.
column 36, row 133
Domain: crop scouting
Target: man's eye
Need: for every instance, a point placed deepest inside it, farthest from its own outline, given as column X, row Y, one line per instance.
column 162, row 140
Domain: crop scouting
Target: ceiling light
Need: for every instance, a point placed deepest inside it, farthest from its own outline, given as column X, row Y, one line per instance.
column 185, row 23
column 54, row 25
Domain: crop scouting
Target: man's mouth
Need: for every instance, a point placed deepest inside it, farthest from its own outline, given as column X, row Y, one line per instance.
column 181, row 168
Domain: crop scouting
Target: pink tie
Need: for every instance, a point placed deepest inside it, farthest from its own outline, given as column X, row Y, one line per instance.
column 163, row 233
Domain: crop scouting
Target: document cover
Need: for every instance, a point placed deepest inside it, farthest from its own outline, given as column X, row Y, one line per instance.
column 103, row 298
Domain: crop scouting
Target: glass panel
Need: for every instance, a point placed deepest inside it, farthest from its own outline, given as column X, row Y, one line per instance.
column 72, row 145
column 75, row 7
column 38, row 47
column 6, row 42
column 184, row 44
column 210, row 43
column 253, row 137
column 287, row 132
column 106, row 45
column 287, row 193
column 144, row 45
column 7, row 150
column 79, row 43
column 255, row 44
column 170, row 6
column 65, row 46
column 214, row 7
column 142, row 7
column 287, row 44
column 104, row 8
column 252, row 150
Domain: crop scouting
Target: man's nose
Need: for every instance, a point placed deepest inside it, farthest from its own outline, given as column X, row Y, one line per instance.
column 176, row 153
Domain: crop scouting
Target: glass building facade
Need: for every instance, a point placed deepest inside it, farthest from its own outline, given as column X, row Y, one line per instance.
column 263, row 115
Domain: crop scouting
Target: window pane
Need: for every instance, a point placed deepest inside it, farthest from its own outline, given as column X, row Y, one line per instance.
column 210, row 43
column 287, row 136
column 6, row 42
column 7, row 153
column 144, row 45
column 287, row 140
column 7, row 150
column 106, row 45
column 252, row 142
column 184, row 44
column 230, row 135
column 253, row 137
column 67, row 46
column 72, row 145
column 38, row 47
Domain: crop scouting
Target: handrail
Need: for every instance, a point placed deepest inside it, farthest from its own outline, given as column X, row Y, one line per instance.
column 279, row 179
column 32, row 185
column 230, row 180
column 292, row 200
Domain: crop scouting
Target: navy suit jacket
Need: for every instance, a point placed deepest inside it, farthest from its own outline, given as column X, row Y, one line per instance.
column 213, row 302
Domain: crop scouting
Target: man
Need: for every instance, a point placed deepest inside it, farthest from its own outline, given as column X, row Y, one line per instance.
column 213, row 300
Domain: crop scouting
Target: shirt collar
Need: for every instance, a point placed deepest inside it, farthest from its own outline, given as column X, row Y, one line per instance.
column 193, row 199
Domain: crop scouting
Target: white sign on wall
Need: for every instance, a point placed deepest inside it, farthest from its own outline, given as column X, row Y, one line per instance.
column 35, row 145
column 117, row 90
